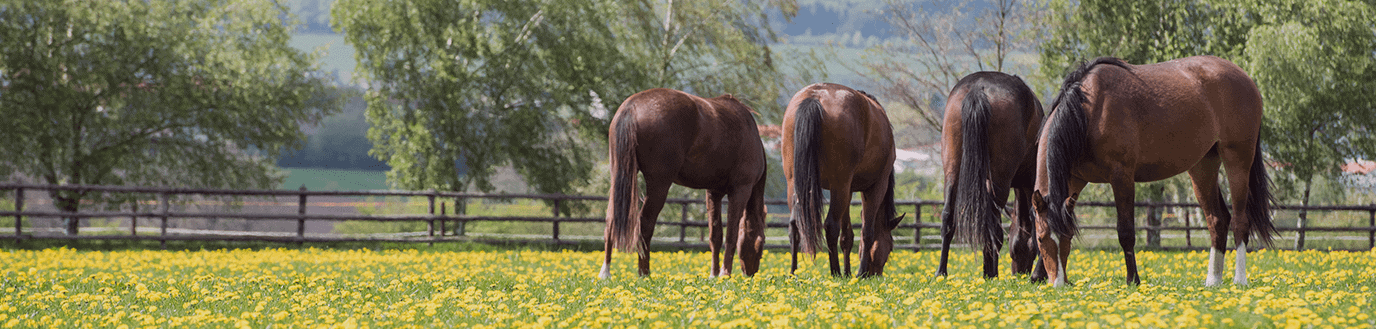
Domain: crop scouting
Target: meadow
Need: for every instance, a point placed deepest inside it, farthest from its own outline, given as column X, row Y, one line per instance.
column 399, row 288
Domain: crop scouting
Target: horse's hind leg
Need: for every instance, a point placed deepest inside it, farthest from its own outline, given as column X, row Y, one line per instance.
column 714, row 227
column 948, row 224
column 735, row 210
column 838, row 227
column 1204, row 175
column 1238, row 164
column 1124, row 197
column 655, row 193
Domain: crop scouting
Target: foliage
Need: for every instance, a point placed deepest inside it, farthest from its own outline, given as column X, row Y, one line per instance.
column 1315, row 63
column 460, row 89
column 155, row 93
column 411, row 288
column 937, row 48
column 339, row 141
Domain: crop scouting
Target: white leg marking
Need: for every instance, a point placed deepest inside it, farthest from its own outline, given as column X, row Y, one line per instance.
column 606, row 272
column 1240, row 273
column 1215, row 274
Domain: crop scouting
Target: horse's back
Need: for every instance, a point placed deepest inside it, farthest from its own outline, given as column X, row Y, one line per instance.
column 856, row 132
column 694, row 141
column 1171, row 113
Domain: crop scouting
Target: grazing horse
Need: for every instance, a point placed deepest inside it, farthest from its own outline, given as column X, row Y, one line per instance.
column 839, row 139
column 705, row 143
column 1118, row 123
column 988, row 145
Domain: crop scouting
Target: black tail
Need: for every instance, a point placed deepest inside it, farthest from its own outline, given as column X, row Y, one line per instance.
column 807, row 185
column 977, row 219
column 623, row 222
column 1259, row 199
column 1067, row 143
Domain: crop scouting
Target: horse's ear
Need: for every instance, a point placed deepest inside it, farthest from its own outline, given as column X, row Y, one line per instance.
column 894, row 222
column 1073, row 197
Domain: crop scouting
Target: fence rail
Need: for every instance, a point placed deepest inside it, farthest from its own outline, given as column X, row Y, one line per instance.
column 163, row 213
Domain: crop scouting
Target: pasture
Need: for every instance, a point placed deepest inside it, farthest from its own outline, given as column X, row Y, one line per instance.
column 363, row 288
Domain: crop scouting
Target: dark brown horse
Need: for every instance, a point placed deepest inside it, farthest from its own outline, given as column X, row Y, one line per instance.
column 839, row 139
column 703, row 143
column 988, row 145
column 1119, row 124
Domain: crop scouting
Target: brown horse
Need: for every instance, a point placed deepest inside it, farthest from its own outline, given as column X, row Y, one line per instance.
column 839, row 139
column 988, row 145
column 1120, row 124
column 703, row 143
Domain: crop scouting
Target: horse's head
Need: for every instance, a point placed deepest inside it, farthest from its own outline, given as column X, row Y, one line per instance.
column 876, row 242
column 1058, row 215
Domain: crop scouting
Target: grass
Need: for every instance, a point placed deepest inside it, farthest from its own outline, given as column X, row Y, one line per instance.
column 389, row 287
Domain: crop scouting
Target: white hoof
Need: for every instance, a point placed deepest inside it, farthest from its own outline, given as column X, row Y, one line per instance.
column 1215, row 274
column 605, row 273
column 1240, row 272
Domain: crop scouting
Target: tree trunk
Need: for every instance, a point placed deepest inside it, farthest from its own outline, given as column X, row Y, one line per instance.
column 1304, row 216
column 68, row 203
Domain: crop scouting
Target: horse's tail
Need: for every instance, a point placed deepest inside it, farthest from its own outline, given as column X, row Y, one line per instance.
column 977, row 219
column 1066, row 143
column 623, row 222
column 1259, row 199
column 807, row 184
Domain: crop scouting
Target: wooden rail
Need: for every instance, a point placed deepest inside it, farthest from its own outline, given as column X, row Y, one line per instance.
column 165, row 196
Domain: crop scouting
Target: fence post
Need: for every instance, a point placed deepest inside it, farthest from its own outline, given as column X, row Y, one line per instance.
column 1299, row 226
column 430, row 223
column 1153, row 227
column 134, row 218
column 917, row 226
column 683, row 223
column 443, row 213
column 460, row 208
column 556, row 221
column 301, row 217
column 1371, row 235
column 1186, row 218
column 166, row 208
column 18, row 219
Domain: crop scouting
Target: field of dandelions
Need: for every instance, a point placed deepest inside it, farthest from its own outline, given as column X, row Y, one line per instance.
column 314, row 288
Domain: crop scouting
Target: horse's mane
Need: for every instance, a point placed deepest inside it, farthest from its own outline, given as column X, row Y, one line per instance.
column 1067, row 137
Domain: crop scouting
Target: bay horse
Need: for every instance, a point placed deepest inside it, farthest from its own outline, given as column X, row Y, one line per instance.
column 839, row 139
column 673, row 137
column 988, row 145
column 1119, row 123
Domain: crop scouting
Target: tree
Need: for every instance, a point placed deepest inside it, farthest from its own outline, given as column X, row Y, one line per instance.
column 458, row 89
column 187, row 93
column 945, row 45
column 1313, row 62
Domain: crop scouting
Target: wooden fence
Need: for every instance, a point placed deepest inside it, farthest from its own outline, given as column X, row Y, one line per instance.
column 437, row 221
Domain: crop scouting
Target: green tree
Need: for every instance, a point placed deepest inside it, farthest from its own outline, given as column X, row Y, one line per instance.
column 458, row 89
column 163, row 93
column 1313, row 62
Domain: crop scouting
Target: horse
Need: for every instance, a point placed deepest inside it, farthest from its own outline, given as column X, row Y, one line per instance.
column 673, row 137
column 839, row 139
column 988, row 145
column 1118, row 123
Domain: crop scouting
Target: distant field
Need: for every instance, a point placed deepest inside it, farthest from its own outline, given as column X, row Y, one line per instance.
column 334, row 179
